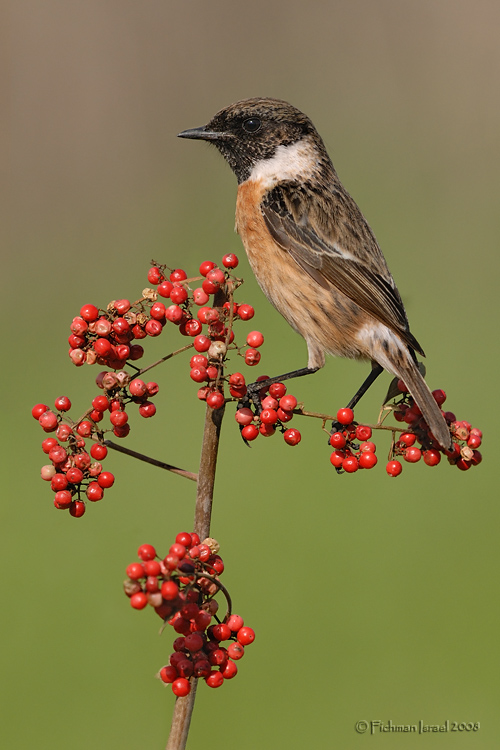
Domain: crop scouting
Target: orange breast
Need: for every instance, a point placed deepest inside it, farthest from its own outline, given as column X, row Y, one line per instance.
column 268, row 261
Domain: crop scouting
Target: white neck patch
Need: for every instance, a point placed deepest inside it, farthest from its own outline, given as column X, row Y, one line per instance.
column 298, row 160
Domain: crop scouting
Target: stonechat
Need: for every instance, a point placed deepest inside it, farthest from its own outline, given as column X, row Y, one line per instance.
column 310, row 248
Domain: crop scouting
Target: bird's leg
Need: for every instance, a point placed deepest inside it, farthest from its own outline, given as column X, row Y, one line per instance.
column 374, row 373
column 254, row 389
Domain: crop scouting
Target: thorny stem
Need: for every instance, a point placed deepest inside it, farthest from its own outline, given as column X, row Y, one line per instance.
column 183, row 710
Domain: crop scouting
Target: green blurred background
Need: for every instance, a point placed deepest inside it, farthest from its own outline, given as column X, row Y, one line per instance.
column 372, row 598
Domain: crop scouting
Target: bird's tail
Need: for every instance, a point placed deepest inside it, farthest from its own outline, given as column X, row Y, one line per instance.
column 426, row 403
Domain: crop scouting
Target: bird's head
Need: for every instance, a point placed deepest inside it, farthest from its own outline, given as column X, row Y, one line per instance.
column 256, row 133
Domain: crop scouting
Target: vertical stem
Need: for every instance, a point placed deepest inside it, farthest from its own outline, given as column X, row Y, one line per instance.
column 183, row 710
column 204, row 496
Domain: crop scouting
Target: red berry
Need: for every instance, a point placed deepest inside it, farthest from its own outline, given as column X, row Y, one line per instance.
column 135, row 571
column 252, row 357
column 74, row 475
column 367, row 460
column 94, row 492
column 147, row 409
column 235, row 622
column 474, row 441
column 292, row 436
column 288, row 402
column 139, row 600
column 277, row 390
column 174, row 314
column 363, row 432
column 193, row 327
column 201, row 343
column 268, row 416
column 255, row 339
column 439, row 396
column 152, row 567
column 98, row 451
column 198, row 374
column 106, row 479
column 432, row 457
column 178, row 275
column 245, row 635
column 477, row 457
column 230, row 260
column 38, row 410
column 412, row 454
column 77, row 509
column 246, row 312
column 394, row 468
column 181, row 687
column 215, row 400
column 337, row 440
column 214, row 680
column 62, row 403
column 345, row 416
column 169, row 590
column 407, row 438
column 244, row 416
column 221, row 632
column 84, row 429
column 178, row 295
column 164, row 289
column 216, row 276
column 184, row 538
column 205, row 267
column 168, row 674
column 179, row 550
column 250, row 432
column 230, row 670
column 235, row 650
column 63, row 499
column 118, row 418
column 48, row 444
column 350, row 464
column 154, row 275
column 89, row 313
column 337, row 458
column 48, row 421
column 153, row 328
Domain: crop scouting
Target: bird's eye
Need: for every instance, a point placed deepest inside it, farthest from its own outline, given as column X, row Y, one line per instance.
column 252, row 125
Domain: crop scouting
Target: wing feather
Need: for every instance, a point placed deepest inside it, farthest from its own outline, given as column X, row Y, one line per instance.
column 329, row 260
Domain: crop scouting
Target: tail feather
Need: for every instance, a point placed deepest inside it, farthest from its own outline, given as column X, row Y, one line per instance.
column 426, row 403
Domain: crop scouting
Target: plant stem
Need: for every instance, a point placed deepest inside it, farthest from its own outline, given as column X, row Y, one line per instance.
column 204, row 497
column 183, row 710
column 149, row 460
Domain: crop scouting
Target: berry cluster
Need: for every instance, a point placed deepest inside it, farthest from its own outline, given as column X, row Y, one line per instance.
column 466, row 439
column 73, row 472
column 414, row 443
column 349, row 455
column 105, row 336
column 276, row 410
column 120, row 389
column 181, row 589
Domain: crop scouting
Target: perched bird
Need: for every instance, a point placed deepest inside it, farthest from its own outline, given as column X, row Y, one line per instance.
column 310, row 248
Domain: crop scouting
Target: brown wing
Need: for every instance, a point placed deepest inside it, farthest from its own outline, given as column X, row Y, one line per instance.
column 362, row 275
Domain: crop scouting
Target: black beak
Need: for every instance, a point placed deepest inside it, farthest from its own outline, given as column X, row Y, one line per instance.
column 201, row 134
